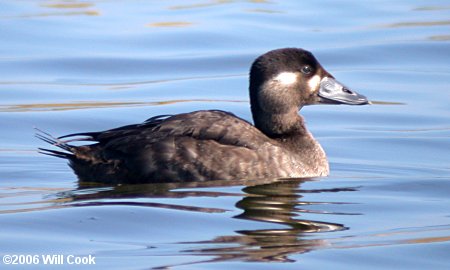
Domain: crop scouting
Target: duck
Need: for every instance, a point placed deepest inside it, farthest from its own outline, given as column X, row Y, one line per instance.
column 214, row 144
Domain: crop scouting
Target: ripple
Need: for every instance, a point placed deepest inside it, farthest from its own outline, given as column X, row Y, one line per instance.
column 417, row 24
column 98, row 104
column 170, row 24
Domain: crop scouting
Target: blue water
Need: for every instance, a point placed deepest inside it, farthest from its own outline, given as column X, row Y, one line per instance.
column 72, row 66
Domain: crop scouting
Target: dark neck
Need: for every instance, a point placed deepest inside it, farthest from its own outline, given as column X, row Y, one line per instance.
column 279, row 125
column 289, row 130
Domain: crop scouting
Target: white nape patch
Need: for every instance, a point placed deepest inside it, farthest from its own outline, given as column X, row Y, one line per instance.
column 286, row 78
column 314, row 82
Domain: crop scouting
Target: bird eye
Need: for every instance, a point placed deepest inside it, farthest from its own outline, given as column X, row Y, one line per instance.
column 306, row 70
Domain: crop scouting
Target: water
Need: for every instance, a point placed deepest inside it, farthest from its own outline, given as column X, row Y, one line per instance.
column 71, row 66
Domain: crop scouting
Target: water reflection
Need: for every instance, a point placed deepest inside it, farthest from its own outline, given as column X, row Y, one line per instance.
column 255, row 246
column 422, row 23
column 261, row 200
column 67, row 5
column 431, row 8
column 265, row 11
column 170, row 24
column 278, row 204
column 99, row 104
column 418, row 24
column 70, row 8
column 440, row 38
column 64, row 8
column 214, row 3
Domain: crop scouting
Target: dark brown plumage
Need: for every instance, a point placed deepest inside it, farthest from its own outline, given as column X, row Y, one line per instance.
column 216, row 145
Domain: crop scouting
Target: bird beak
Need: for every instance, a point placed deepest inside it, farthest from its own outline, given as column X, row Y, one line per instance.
column 333, row 92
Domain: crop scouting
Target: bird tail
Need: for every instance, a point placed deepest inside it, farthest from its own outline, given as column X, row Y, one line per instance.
column 48, row 138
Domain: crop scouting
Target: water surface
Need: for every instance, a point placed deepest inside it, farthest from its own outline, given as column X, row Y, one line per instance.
column 71, row 66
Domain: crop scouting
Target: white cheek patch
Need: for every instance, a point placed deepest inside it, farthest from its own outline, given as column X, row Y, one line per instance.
column 286, row 78
column 314, row 82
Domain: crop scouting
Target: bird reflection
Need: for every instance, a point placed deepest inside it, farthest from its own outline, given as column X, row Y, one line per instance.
column 279, row 203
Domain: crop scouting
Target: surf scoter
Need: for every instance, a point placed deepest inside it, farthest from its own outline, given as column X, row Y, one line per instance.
column 217, row 145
